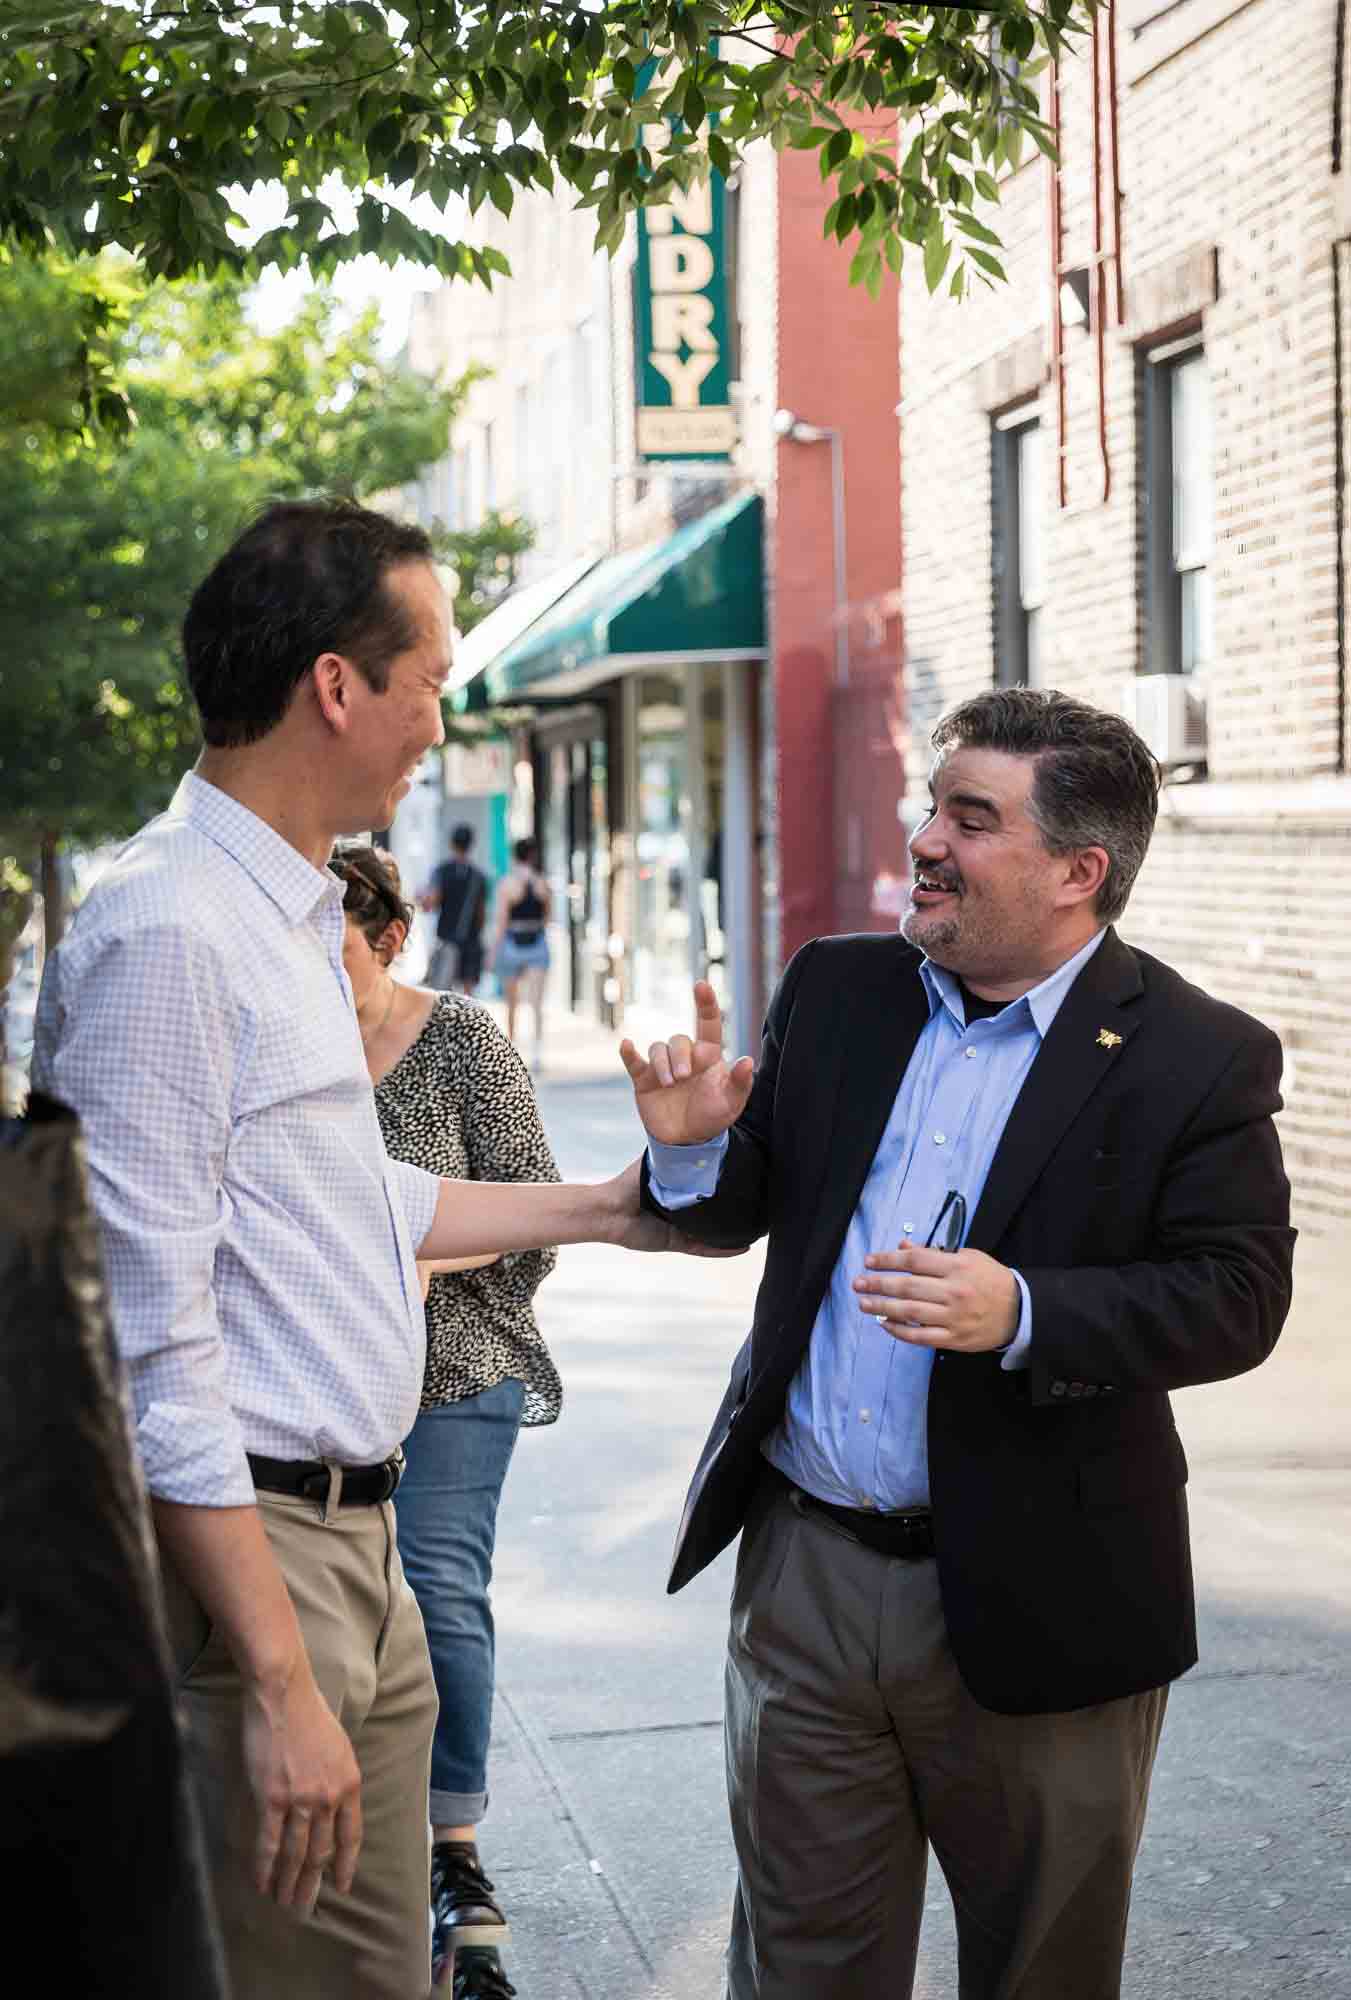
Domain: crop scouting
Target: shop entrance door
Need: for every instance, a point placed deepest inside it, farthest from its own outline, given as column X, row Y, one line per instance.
column 691, row 809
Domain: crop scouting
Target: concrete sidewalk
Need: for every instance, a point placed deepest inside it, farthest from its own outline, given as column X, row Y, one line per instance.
column 607, row 1833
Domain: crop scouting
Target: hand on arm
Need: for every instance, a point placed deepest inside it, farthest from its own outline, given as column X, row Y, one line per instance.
column 301, row 1767
column 686, row 1092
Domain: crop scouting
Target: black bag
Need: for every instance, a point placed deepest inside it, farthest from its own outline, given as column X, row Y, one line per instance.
column 102, row 1880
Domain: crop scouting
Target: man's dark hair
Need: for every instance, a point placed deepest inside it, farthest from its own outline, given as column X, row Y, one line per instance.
column 462, row 838
column 307, row 578
column 527, row 852
column 1096, row 782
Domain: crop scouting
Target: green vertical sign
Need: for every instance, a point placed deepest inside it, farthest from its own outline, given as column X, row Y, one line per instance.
column 681, row 326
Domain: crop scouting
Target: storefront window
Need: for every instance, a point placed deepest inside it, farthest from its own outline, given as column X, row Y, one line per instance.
column 712, row 888
column 554, row 860
column 661, row 951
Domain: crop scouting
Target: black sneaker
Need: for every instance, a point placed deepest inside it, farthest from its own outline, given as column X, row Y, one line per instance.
column 479, row 1976
column 463, row 1909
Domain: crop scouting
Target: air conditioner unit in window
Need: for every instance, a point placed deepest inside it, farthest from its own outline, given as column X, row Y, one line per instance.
column 1169, row 710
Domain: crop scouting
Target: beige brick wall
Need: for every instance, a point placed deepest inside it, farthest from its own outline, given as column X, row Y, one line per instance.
column 1225, row 147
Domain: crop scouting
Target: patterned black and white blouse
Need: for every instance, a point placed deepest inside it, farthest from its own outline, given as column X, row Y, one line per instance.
column 459, row 1102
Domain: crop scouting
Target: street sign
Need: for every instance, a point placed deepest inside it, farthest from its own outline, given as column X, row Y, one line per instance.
column 681, row 323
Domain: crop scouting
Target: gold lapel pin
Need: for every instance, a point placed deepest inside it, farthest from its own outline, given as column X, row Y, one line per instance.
column 1107, row 1040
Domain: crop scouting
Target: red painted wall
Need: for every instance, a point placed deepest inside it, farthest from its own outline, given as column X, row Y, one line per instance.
column 839, row 772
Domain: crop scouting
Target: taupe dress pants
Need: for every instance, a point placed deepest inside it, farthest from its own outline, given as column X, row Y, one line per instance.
column 364, row 1635
column 852, row 1745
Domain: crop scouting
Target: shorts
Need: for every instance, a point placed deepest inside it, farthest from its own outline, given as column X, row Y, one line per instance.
column 514, row 959
column 451, row 962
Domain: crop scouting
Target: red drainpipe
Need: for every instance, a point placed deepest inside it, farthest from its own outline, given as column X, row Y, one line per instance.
column 1057, row 316
column 1114, row 128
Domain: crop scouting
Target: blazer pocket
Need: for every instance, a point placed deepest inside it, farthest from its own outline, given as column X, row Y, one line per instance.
column 1131, row 1477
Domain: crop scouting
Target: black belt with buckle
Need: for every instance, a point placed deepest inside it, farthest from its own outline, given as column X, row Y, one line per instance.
column 311, row 1479
column 909, row 1537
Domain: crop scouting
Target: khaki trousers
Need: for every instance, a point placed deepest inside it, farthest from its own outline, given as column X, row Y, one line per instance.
column 852, row 1746
column 364, row 1635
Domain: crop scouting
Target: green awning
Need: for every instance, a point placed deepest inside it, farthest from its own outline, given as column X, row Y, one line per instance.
column 699, row 594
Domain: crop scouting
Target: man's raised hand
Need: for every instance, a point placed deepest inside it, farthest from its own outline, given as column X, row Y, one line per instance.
column 686, row 1091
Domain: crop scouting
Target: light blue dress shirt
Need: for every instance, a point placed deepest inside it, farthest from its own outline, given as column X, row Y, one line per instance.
column 854, row 1424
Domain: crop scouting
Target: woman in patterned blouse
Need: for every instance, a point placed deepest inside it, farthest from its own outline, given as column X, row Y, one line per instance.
column 453, row 1096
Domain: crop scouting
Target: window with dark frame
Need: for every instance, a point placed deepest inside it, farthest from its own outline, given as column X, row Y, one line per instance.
column 1178, row 493
column 1019, row 547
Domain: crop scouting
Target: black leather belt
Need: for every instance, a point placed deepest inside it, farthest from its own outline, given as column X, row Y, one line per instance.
column 310, row 1479
column 909, row 1537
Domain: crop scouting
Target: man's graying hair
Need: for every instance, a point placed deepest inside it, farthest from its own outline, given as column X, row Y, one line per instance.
column 1096, row 781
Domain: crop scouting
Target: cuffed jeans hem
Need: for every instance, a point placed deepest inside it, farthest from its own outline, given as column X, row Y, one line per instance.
column 458, row 1808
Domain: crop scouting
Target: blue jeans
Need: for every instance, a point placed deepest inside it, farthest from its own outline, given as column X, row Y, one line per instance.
column 446, row 1508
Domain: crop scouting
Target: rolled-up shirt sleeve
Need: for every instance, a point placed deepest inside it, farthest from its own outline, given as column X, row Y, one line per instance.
column 418, row 1192
column 141, row 1037
column 682, row 1175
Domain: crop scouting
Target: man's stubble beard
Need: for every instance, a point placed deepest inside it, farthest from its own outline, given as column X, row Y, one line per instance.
column 932, row 939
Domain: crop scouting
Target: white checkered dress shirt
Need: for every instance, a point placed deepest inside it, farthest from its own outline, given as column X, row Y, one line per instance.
column 258, row 1240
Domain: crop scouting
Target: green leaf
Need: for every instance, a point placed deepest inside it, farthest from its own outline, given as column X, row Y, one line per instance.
column 970, row 226
column 937, row 250
column 837, row 151
column 986, row 262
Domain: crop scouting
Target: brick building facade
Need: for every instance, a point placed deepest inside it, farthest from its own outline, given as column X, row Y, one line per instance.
column 1130, row 462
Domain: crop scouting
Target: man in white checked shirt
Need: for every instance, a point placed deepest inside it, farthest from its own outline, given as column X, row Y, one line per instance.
column 260, row 1244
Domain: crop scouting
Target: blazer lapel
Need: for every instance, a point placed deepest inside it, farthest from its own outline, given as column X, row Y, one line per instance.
column 1086, row 1039
column 875, row 1038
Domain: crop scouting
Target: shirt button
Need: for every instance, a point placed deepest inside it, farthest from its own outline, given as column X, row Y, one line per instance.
column 940, row 1138
column 968, row 1053
column 865, row 1416
column 907, row 1229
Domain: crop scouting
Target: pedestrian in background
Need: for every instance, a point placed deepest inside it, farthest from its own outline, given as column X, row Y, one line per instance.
column 452, row 1095
column 964, row 1580
column 458, row 893
column 521, row 951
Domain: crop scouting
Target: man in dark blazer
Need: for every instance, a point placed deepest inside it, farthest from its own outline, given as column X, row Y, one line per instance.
column 1019, row 1183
